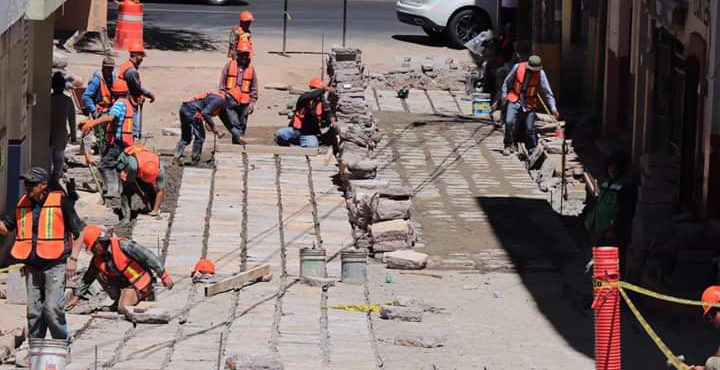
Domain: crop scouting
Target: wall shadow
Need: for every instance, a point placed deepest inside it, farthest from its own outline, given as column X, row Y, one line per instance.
column 421, row 40
column 533, row 236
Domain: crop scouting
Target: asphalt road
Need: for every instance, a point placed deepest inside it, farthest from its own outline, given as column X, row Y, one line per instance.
column 367, row 19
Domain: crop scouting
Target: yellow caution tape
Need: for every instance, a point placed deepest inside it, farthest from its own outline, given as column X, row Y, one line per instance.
column 5, row 270
column 650, row 293
column 359, row 308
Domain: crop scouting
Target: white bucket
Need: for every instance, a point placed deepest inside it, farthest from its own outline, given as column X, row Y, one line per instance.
column 48, row 354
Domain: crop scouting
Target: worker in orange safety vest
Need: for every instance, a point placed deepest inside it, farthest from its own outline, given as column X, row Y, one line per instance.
column 124, row 269
column 45, row 222
column 241, row 34
column 121, row 130
column 312, row 114
column 239, row 81
column 520, row 96
column 712, row 314
column 141, row 173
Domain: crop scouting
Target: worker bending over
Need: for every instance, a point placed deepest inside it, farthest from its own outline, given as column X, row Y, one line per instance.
column 197, row 113
column 124, row 269
column 520, row 95
column 142, row 173
column 239, row 81
column 312, row 114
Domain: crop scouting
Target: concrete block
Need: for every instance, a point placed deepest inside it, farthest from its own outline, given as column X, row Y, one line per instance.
column 410, row 314
column 421, row 341
column 405, row 260
column 252, row 362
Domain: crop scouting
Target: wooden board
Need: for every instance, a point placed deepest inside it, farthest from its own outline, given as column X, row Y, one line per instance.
column 270, row 149
column 238, row 280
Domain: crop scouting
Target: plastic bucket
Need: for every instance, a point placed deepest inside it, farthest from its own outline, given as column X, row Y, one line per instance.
column 481, row 105
column 354, row 267
column 312, row 263
column 46, row 354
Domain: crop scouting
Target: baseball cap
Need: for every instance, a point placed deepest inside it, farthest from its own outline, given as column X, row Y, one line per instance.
column 35, row 175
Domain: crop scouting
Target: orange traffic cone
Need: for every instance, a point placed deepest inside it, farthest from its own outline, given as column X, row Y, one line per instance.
column 129, row 26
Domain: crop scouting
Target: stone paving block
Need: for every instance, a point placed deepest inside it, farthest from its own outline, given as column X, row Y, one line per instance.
column 418, row 102
column 389, row 102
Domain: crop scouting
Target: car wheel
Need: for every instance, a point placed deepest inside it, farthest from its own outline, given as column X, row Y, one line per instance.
column 433, row 33
column 217, row 2
column 465, row 25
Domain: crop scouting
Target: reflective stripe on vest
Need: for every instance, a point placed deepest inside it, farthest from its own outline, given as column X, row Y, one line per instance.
column 532, row 87
column 129, row 268
column 50, row 232
column 299, row 116
column 242, row 94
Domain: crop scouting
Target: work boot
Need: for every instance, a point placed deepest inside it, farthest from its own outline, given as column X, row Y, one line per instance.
column 125, row 209
column 195, row 160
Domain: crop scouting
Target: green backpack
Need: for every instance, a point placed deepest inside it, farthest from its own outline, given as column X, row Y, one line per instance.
column 602, row 218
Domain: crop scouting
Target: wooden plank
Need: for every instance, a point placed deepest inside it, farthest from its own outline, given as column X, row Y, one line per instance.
column 238, row 280
column 270, row 149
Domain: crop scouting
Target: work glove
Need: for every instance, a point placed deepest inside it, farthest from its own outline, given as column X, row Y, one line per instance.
column 167, row 280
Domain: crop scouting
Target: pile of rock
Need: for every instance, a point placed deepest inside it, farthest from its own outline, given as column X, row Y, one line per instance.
column 356, row 126
column 546, row 168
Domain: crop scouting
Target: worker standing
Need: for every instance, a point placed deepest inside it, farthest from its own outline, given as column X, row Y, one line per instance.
column 712, row 314
column 62, row 126
column 46, row 223
column 520, row 96
column 97, row 97
column 241, row 34
column 124, row 269
column 128, row 76
column 312, row 113
column 121, row 129
column 142, row 173
column 239, row 81
column 195, row 114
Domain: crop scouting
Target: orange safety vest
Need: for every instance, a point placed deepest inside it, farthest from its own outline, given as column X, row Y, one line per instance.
column 146, row 159
column 50, row 233
column 205, row 95
column 242, row 94
column 120, row 82
column 105, row 96
column 126, row 136
column 138, row 277
column 299, row 116
column 244, row 36
column 532, row 87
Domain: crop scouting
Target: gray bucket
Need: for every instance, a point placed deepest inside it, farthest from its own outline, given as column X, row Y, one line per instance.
column 312, row 263
column 48, row 354
column 354, row 266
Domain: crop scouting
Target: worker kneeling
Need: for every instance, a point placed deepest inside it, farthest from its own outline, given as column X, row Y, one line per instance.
column 123, row 268
column 143, row 174
column 312, row 115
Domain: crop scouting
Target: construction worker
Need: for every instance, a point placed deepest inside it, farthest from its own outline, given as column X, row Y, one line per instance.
column 121, row 129
column 97, row 97
column 45, row 222
column 239, row 81
column 195, row 114
column 241, row 33
column 142, row 173
column 520, row 97
column 128, row 77
column 62, row 126
column 124, row 269
column 312, row 113
column 712, row 314
column 610, row 221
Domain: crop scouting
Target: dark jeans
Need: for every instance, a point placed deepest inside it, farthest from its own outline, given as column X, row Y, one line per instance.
column 234, row 118
column 46, row 301
column 190, row 128
column 514, row 115
column 108, row 171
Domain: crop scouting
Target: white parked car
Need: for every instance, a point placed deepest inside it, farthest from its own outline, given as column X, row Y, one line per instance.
column 458, row 20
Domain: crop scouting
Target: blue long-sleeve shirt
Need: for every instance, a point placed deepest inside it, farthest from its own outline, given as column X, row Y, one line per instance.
column 208, row 107
column 544, row 87
column 92, row 95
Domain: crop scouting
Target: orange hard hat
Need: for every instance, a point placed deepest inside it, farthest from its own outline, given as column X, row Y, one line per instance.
column 204, row 266
column 136, row 47
column 316, row 83
column 710, row 295
column 244, row 47
column 149, row 173
column 246, row 16
column 92, row 234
